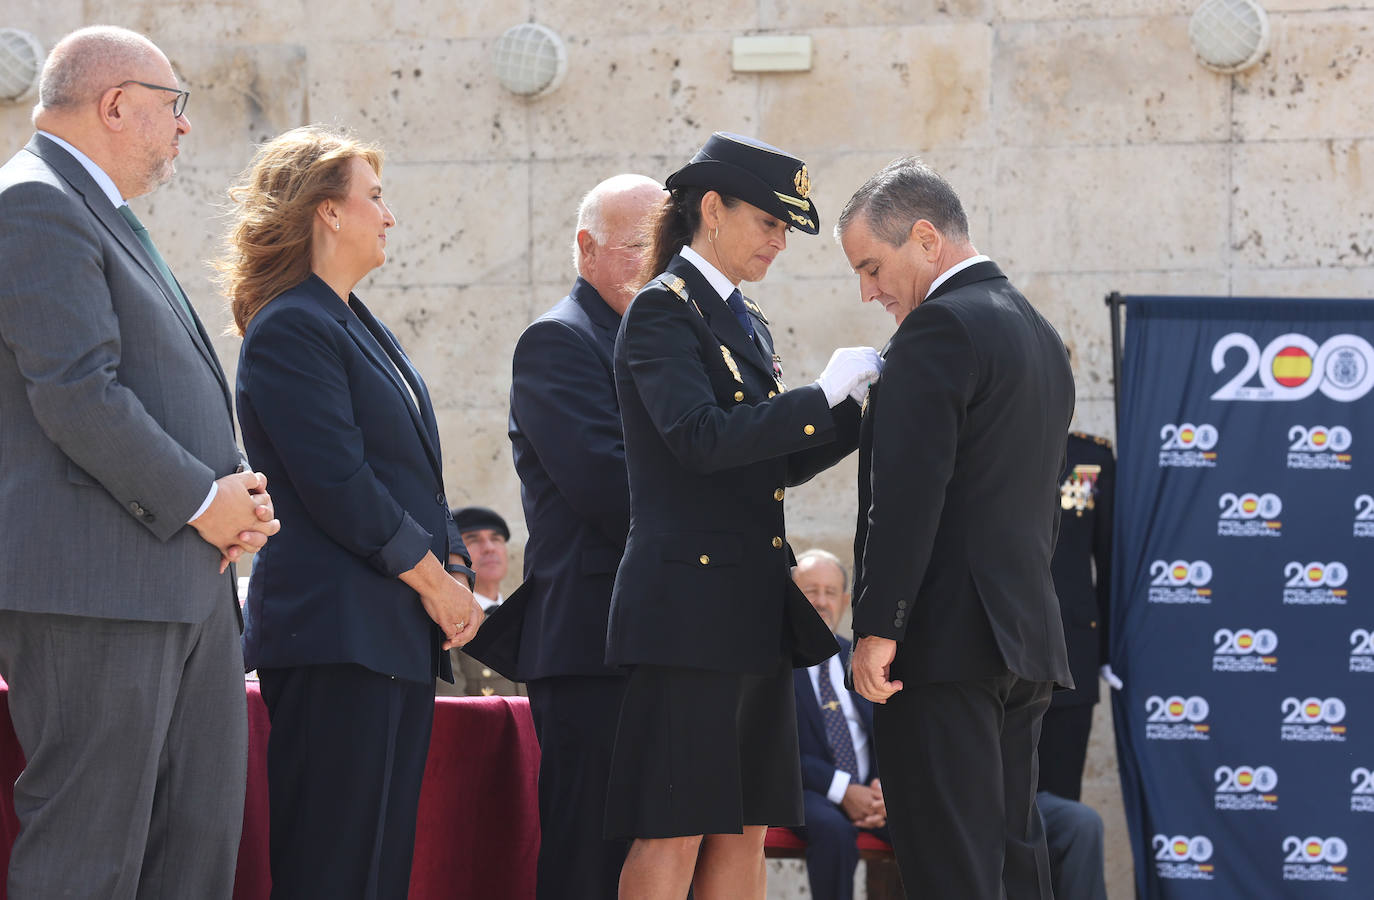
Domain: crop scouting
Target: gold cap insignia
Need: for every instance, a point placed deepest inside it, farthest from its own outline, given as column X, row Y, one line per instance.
column 803, row 182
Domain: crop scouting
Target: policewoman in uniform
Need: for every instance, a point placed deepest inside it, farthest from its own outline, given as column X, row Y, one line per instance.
column 1082, row 570
column 704, row 611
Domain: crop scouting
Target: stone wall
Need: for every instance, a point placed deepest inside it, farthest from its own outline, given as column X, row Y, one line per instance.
column 1092, row 151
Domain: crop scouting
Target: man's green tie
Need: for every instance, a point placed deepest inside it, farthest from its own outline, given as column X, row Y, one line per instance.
column 146, row 240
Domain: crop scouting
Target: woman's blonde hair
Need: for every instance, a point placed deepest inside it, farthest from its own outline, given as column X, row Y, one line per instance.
column 267, row 248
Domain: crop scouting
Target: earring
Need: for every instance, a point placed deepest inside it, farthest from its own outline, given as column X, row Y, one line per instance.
column 336, row 226
column 712, row 235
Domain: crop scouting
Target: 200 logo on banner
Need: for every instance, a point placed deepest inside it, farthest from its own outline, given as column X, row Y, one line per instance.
column 1180, row 581
column 1319, row 447
column 1313, row 719
column 1245, row 650
column 1249, row 515
column 1177, row 718
column 1246, row 788
column 1315, row 584
column 1183, row 856
column 1314, row 859
column 1293, row 367
column 1362, row 650
column 1362, row 789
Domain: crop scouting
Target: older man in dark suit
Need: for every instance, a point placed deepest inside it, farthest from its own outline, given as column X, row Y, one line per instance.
column 122, row 502
column 570, row 456
column 841, row 792
column 959, row 634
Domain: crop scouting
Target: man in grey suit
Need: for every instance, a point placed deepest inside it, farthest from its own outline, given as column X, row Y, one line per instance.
column 118, row 622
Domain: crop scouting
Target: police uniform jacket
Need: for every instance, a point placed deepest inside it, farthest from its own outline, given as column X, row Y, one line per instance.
column 712, row 442
column 1082, row 564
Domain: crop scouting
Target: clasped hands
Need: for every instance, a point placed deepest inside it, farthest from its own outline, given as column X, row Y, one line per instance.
column 864, row 804
column 849, row 373
column 240, row 518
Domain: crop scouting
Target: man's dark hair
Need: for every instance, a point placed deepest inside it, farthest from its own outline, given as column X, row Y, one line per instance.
column 904, row 192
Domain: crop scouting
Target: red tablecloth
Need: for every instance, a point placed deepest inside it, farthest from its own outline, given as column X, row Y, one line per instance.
column 477, row 832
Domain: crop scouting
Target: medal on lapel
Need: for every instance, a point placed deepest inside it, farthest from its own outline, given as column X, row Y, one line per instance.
column 777, row 373
column 1079, row 488
column 730, row 362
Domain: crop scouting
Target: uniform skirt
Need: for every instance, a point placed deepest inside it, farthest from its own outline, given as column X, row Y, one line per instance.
column 704, row 752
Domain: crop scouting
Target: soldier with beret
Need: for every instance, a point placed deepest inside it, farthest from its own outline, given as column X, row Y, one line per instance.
column 704, row 611
column 485, row 534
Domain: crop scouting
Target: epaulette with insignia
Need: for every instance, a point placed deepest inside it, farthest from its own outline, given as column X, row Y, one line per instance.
column 754, row 308
column 679, row 287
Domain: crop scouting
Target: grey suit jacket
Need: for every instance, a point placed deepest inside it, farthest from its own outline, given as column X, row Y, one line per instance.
column 115, row 416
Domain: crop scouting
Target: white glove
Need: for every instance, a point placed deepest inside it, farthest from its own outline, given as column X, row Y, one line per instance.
column 1110, row 677
column 848, row 368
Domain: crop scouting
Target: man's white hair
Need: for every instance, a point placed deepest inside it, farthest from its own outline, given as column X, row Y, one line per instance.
column 89, row 61
column 590, row 214
column 818, row 553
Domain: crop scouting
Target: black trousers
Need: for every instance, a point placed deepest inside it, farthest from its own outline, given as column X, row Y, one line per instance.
column 1064, row 748
column 575, row 718
column 958, row 763
column 345, row 759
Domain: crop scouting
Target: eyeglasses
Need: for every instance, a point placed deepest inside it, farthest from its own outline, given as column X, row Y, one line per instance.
column 178, row 105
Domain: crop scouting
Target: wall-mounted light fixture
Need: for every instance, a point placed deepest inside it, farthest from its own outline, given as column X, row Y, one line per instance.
column 772, row 53
column 21, row 62
column 1229, row 35
column 530, row 59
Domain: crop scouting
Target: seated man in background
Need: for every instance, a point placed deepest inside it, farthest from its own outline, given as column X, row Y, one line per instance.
column 835, row 734
column 1073, row 833
column 485, row 534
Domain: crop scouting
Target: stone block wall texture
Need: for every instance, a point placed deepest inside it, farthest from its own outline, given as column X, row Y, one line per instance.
column 1091, row 149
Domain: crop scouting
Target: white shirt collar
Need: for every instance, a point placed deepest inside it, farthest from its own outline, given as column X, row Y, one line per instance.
column 486, row 602
column 949, row 273
column 713, row 275
column 105, row 181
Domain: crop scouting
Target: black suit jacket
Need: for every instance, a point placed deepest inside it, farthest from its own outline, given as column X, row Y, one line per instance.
column 1082, row 564
column 960, row 454
column 817, row 760
column 711, row 444
column 354, row 470
column 570, row 456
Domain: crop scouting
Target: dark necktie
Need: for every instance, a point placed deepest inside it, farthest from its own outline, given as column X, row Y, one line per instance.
column 146, row 240
column 836, row 727
column 736, row 303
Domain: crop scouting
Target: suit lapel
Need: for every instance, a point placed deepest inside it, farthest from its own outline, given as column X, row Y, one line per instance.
column 605, row 320
column 719, row 319
column 808, row 707
column 62, row 162
column 982, row 271
column 369, row 334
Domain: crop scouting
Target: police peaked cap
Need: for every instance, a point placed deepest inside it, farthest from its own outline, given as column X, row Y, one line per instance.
column 476, row 518
column 757, row 173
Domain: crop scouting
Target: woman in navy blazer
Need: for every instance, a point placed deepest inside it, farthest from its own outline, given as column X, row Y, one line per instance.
column 348, row 618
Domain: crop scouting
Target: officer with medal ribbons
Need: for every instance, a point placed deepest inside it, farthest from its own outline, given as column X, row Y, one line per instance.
column 704, row 612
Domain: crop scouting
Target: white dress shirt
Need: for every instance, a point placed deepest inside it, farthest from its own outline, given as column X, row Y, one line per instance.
column 840, row 782
column 949, row 273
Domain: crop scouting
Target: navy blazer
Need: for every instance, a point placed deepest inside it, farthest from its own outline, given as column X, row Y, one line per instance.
column 354, row 471
column 817, row 760
column 570, row 455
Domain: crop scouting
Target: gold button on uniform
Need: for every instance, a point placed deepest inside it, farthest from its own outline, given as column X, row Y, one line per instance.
column 739, row 395
column 1092, row 624
column 779, row 494
column 772, row 394
column 777, row 543
column 705, row 560
column 809, row 429
column 486, row 673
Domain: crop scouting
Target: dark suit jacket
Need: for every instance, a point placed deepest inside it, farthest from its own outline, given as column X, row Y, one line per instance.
column 960, row 455
column 1082, row 564
column 570, row 456
column 354, row 471
column 817, row 760
column 711, row 443
column 114, row 412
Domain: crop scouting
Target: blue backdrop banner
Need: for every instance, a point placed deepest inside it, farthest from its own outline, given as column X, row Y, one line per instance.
column 1243, row 591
